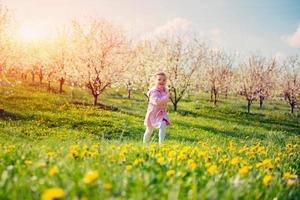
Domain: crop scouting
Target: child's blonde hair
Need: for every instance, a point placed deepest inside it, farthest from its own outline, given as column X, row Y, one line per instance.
column 160, row 74
column 154, row 76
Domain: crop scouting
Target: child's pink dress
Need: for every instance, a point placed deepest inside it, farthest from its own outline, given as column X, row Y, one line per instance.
column 156, row 113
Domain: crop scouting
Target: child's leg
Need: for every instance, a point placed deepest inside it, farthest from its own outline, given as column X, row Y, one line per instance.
column 147, row 134
column 162, row 131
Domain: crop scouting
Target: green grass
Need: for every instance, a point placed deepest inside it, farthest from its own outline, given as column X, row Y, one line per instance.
column 36, row 122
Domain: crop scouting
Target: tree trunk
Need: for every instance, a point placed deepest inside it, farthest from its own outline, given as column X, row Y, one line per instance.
column 49, row 85
column 261, row 100
column 95, row 99
column 146, row 96
column 32, row 76
column 175, row 106
column 23, row 76
column 41, row 78
column 249, row 104
column 129, row 93
column 215, row 100
column 72, row 94
column 211, row 95
column 61, row 82
column 292, row 108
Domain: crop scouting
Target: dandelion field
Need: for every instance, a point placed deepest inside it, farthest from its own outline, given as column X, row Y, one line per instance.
column 54, row 149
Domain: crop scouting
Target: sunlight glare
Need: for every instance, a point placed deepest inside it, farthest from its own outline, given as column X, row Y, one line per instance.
column 30, row 34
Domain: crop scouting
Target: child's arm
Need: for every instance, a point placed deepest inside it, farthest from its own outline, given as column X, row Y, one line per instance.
column 157, row 100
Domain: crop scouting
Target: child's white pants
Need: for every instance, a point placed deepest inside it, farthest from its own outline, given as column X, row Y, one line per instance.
column 161, row 133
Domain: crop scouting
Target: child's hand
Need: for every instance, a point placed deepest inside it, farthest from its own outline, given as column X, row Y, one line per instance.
column 162, row 105
column 168, row 95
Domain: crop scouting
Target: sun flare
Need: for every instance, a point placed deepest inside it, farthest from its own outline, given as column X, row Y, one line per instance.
column 30, row 34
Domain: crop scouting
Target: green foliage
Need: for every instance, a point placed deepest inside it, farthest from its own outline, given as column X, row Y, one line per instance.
column 40, row 131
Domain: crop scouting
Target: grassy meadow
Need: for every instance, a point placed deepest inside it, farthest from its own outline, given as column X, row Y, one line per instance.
column 52, row 148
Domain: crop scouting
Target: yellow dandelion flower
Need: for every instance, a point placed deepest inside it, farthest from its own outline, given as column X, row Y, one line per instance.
column 74, row 153
column 171, row 172
column 138, row 161
column 202, row 153
column 181, row 156
column 129, row 167
column 53, row 193
column 84, row 153
column 234, row 161
column 212, row 169
column 287, row 175
column 171, row 154
column 74, row 146
column 12, row 146
column 261, row 149
column 107, row 186
column 267, row 163
column 244, row 162
column 53, row 171
column 28, row 162
column 244, row 170
column 222, row 160
column 85, row 147
column 93, row 153
column 192, row 164
column 258, row 165
column 90, row 176
column 95, row 146
column 160, row 160
column 267, row 179
column 242, row 150
column 51, row 153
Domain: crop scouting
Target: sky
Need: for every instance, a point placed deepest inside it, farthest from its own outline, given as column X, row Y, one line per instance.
column 270, row 27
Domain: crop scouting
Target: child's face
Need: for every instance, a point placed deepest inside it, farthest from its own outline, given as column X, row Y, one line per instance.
column 161, row 81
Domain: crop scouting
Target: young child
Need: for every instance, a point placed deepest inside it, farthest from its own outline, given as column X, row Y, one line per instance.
column 156, row 116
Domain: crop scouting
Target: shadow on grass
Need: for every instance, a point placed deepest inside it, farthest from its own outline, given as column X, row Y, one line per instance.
column 134, row 114
column 252, row 120
column 249, row 119
column 121, row 133
column 11, row 116
column 131, row 99
column 235, row 133
column 122, row 97
column 188, row 113
column 100, row 105
column 256, row 120
column 181, row 138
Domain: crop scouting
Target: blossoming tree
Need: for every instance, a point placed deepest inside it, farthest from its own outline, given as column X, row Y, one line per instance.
column 252, row 78
column 218, row 73
column 290, row 81
column 180, row 59
column 101, row 50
